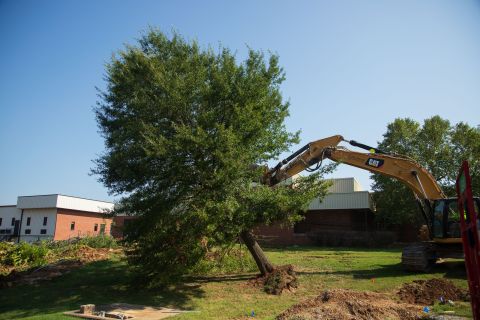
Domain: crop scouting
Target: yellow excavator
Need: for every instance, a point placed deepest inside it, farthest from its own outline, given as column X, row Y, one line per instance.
column 439, row 212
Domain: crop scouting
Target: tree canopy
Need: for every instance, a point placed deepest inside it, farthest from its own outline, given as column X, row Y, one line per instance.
column 438, row 146
column 186, row 130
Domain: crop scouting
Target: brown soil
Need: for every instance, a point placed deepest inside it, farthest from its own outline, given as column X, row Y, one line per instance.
column 86, row 254
column 74, row 259
column 426, row 292
column 340, row 304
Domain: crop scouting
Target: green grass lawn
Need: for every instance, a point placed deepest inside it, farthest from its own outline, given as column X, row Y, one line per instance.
column 224, row 297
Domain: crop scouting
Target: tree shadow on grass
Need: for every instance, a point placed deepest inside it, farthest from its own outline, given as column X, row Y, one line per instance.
column 100, row 282
column 225, row 278
column 451, row 270
column 330, row 250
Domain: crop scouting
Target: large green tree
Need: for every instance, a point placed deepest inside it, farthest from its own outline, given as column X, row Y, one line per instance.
column 438, row 146
column 185, row 131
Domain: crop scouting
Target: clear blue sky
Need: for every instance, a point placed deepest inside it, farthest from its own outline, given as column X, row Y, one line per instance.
column 352, row 67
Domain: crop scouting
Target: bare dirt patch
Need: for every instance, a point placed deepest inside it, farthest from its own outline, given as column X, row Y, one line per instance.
column 351, row 305
column 426, row 292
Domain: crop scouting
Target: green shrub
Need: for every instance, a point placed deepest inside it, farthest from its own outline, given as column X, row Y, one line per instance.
column 225, row 261
column 6, row 249
column 100, row 241
column 23, row 254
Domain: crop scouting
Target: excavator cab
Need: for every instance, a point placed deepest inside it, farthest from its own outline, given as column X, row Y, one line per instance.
column 445, row 237
column 446, row 219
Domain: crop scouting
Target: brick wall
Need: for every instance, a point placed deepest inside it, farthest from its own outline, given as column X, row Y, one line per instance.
column 84, row 224
column 321, row 227
column 119, row 225
column 280, row 235
column 340, row 219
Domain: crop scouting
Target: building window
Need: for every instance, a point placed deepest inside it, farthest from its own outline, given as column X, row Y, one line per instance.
column 95, row 227
column 72, row 225
column 102, row 228
column 0, row 221
column 45, row 219
column 28, row 231
column 43, row 231
column 13, row 221
column 29, row 219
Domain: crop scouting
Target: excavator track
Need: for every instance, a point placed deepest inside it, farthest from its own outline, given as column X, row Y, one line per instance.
column 419, row 257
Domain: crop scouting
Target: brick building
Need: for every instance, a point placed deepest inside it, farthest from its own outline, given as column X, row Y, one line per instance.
column 343, row 217
column 119, row 224
column 53, row 216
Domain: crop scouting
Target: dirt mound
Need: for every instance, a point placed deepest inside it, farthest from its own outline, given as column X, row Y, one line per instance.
column 351, row 305
column 88, row 254
column 426, row 292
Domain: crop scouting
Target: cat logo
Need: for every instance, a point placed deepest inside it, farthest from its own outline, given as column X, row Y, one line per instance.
column 376, row 163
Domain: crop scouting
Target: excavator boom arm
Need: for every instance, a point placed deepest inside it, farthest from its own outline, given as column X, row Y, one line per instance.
column 408, row 171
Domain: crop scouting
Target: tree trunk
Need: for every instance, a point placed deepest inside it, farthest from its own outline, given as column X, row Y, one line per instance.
column 256, row 251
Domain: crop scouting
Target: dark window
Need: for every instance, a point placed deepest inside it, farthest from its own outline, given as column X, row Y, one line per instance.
column 95, row 227
column 102, row 228
column 13, row 221
column 0, row 221
column 28, row 221
column 72, row 225
column 438, row 219
column 28, row 231
column 43, row 231
column 45, row 219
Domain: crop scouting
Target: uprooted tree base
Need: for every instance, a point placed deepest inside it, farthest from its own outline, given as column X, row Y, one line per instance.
column 281, row 278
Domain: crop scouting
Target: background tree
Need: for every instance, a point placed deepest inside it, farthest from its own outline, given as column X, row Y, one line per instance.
column 438, row 146
column 183, row 126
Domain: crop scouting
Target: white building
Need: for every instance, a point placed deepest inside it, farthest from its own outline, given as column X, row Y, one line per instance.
column 53, row 216
column 344, row 193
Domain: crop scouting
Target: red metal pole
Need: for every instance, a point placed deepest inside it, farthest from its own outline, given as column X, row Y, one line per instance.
column 471, row 245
